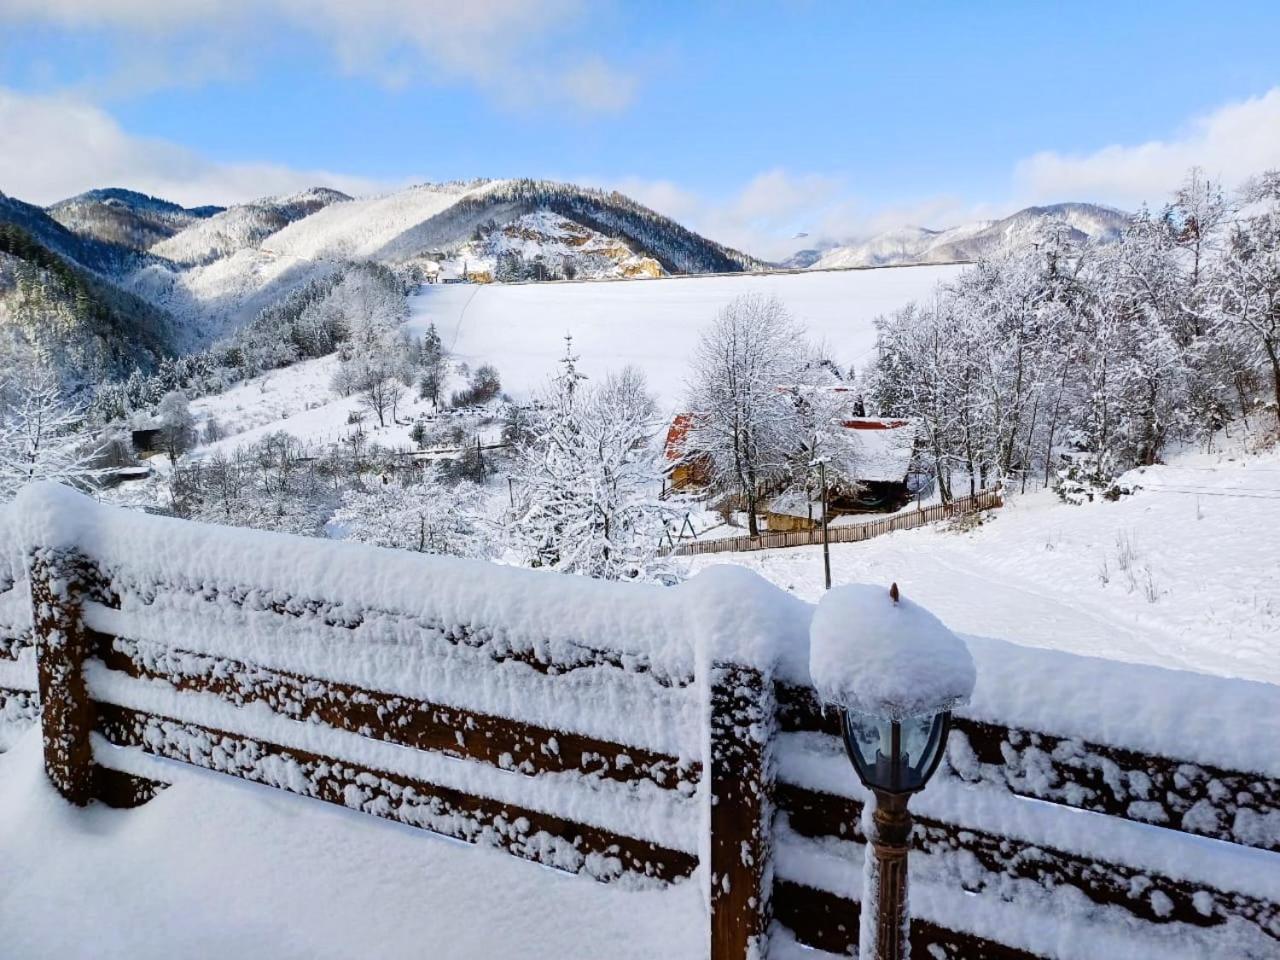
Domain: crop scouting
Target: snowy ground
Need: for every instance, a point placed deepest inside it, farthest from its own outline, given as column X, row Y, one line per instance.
column 652, row 324
column 219, row 868
column 1201, row 591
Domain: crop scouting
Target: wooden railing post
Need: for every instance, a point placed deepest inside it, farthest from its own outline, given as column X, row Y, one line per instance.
column 62, row 644
column 742, row 723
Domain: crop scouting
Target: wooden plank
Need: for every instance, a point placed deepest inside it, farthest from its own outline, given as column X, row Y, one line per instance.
column 829, row 922
column 57, row 581
column 1146, row 895
column 530, row 834
column 1145, row 788
column 330, row 614
column 466, row 734
column 742, row 711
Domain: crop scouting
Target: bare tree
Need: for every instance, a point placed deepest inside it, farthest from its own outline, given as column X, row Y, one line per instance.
column 744, row 416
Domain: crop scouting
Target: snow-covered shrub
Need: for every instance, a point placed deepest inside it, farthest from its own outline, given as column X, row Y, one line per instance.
column 1084, row 481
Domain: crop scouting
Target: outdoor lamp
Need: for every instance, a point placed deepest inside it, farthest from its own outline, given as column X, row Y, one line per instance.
column 895, row 756
column 894, row 672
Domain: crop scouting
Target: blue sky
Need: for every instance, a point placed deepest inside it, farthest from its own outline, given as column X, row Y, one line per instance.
column 750, row 120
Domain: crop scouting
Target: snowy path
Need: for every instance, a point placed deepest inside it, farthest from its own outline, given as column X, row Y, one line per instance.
column 220, row 868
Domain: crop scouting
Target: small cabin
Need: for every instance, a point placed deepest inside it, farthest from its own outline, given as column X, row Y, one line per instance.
column 881, row 454
column 793, row 510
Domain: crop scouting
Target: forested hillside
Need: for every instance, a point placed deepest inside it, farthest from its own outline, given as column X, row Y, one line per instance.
column 69, row 318
column 125, row 217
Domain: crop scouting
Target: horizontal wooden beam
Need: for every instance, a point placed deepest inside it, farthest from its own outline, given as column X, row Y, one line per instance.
column 829, row 922
column 465, row 734
column 542, row 837
column 1146, row 895
column 1145, row 788
column 337, row 615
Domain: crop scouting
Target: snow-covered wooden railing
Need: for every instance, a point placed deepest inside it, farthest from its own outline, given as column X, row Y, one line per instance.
column 1087, row 808
column 579, row 724
column 1068, row 821
column 853, row 533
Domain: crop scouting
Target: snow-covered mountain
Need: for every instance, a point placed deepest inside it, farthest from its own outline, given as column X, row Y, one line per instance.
column 219, row 272
column 125, row 217
column 973, row 241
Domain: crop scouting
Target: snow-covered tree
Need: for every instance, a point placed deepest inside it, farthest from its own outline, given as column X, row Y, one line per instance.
column 42, row 435
column 1246, row 278
column 177, row 425
column 588, row 481
column 745, row 418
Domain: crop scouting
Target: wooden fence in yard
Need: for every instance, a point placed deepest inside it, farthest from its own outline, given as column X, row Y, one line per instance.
column 854, row 533
column 1032, row 843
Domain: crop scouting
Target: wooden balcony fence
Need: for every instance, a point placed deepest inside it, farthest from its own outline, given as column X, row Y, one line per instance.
column 852, row 533
column 1032, row 843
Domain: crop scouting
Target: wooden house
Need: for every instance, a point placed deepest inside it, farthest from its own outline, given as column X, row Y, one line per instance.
column 880, row 459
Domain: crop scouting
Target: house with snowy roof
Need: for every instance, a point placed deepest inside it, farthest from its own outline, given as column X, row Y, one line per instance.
column 877, row 454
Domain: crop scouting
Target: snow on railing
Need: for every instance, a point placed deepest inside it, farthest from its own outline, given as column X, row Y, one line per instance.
column 1088, row 808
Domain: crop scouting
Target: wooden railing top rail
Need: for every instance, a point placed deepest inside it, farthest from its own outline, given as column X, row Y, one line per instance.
column 1129, row 784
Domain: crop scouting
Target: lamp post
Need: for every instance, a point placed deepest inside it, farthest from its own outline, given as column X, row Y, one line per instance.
column 894, row 671
column 893, row 759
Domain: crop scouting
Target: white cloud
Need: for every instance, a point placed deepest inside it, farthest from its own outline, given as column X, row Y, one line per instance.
column 54, row 147
column 1231, row 143
column 500, row 46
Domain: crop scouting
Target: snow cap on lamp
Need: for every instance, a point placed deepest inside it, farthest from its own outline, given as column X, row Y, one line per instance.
column 875, row 652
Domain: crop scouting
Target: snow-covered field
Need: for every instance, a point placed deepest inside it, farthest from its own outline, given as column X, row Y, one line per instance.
column 653, row 324
column 218, row 868
column 1183, row 574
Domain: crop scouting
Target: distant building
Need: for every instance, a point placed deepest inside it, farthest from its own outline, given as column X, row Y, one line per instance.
column 792, row 510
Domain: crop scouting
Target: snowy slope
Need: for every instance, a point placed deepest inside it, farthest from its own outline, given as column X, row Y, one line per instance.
column 1193, row 539
column 652, row 324
column 242, row 227
column 125, row 217
column 983, row 238
column 358, row 229
column 216, row 298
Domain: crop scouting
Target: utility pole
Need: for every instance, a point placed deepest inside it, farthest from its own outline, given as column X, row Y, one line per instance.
column 826, row 547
